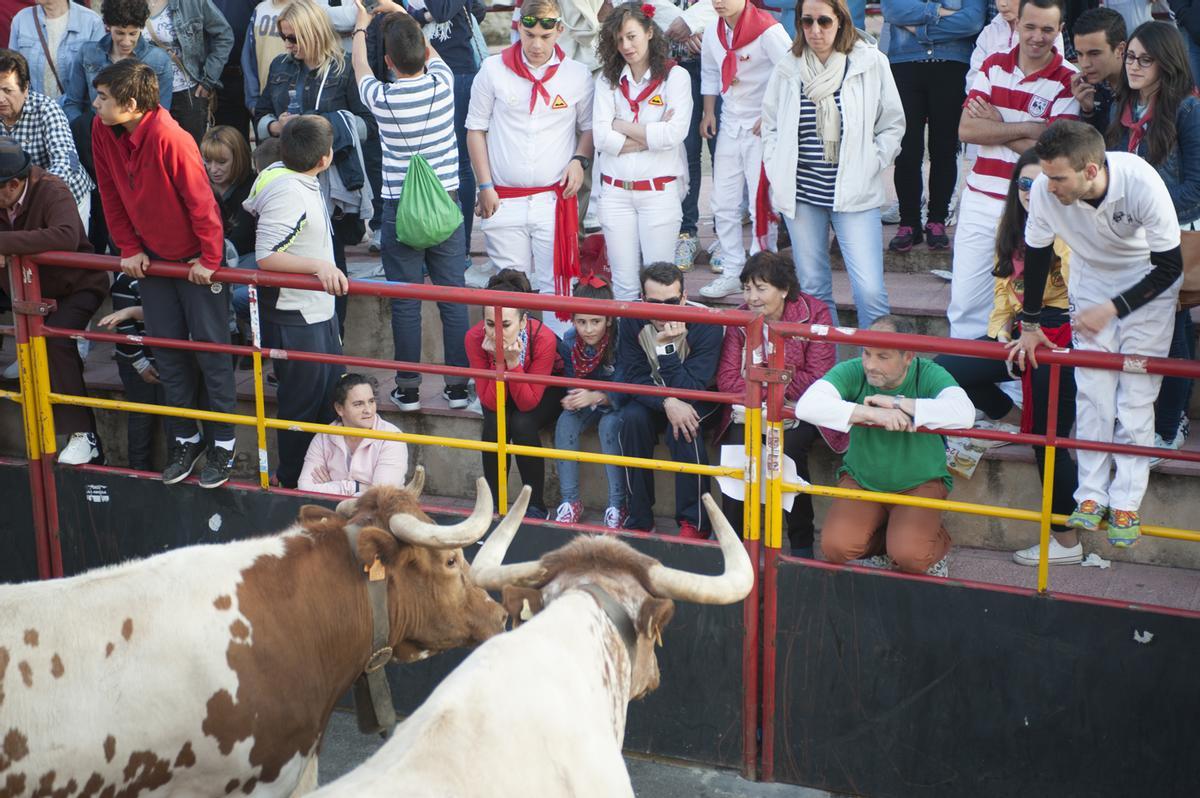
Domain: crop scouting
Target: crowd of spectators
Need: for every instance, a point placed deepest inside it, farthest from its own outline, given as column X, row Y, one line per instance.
column 273, row 135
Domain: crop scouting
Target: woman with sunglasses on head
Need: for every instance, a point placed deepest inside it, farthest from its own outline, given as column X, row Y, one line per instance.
column 771, row 290
column 1156, row 115
column 588, row 351
column 314, row 76
column 832, row 123
column 980, row 378
column 640, row 118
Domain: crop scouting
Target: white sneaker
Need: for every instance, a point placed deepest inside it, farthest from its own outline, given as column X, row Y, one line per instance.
column 1058, row 554
column 890, row 214
column 80, row 449
column 477, row 275
column 716, row 259
column 376, row 242
column 722, row 286
column 13, row 371
column 1181, row 436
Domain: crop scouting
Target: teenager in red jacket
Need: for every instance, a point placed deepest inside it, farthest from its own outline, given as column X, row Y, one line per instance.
column 528, row 346
column 771, row 289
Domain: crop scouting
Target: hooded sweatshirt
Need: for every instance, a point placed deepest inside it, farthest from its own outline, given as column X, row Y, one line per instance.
column 292, row 218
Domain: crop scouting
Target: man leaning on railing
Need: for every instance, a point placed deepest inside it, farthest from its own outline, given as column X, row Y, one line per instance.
column 894, row 392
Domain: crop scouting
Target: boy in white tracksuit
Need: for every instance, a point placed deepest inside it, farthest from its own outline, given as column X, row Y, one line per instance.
column 1118, row 218
column 737, row 57
column 639, row 122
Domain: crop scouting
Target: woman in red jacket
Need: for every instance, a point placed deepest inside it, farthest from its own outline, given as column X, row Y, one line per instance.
column 771, row 289
column 528, row 346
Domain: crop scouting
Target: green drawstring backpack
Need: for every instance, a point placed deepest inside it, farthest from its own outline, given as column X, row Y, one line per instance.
column 426, row 214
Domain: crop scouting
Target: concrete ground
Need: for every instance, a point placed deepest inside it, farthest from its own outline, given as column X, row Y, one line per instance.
column 345, row 747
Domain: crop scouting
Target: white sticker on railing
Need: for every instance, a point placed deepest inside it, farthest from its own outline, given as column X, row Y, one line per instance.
column 846, row 330
column 820, row 329
column 96, row 493
column 1134, row 365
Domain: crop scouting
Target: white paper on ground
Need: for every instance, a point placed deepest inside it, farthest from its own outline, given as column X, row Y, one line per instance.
column 734, row 456
column 1094, row 560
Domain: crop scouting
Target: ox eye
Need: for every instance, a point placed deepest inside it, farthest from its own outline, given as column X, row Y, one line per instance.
column 451, row 561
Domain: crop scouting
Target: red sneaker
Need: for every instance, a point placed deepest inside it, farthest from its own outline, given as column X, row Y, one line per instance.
column 688, row 530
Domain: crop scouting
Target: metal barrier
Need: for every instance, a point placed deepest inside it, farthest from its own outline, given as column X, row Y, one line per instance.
column 38, row 399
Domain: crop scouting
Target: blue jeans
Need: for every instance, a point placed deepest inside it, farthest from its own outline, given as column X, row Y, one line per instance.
column 692, row 145
column 570, row 425
column 445, row 263
column 239, row 296
column 466, row 175
column 860, row 236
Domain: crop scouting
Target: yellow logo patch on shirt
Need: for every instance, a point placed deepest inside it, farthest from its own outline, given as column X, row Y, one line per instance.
column 559, row 102
column 656, row 100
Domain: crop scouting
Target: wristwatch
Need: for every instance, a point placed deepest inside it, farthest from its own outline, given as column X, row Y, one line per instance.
column 665, row 349
column 896, row 400
column 584, row 161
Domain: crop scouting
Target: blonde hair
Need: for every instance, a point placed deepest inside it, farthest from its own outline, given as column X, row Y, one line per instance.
column 224, row 137
column 314, row 34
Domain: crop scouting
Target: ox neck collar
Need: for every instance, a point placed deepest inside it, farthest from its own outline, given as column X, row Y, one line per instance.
column 372, row 694
column 619, row 617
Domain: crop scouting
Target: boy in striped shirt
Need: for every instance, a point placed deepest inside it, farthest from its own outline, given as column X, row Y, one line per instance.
column 416, row 116
column 1014, row 97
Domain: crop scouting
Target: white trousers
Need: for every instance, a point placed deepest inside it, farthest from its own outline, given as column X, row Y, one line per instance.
column 737, row 164
column 1112, row 406
column 640, row 228
column 520, row 235
column 972, row 289
column 85, row 212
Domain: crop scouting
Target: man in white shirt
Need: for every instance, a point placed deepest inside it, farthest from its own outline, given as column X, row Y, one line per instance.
column 529, row 132
column 737, row 57
column 1114, row 212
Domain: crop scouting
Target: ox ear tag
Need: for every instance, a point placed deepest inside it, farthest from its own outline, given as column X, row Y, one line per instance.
column 376, row 572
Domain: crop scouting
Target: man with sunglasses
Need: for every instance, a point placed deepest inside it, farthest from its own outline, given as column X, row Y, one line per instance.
column 669, row 354
column 529, row 133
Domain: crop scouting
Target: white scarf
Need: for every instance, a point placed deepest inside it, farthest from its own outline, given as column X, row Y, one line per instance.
column 820, row 82
column 434, row 31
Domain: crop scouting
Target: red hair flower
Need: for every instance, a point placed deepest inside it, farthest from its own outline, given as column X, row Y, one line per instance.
column 648, row 10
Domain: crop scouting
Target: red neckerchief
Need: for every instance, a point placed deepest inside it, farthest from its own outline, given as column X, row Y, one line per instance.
column 1137, row 130
column 513, row 60
column 566, row 236
column 750, row 26
column 635, row 103
column 583, row 363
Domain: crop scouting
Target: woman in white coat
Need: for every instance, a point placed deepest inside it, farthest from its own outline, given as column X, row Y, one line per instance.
column 832, row 122
column 640, row 117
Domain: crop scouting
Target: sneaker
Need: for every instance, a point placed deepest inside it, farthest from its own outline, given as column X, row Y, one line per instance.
column 883, row 561
column 13, row 371
column 1176, row 444
column 181, row 459
column 686, row 247
column 376, row 242
column 477, row 275
column 1088, row 516
column 716, row 259
column 688, row 530
column 940, row 568
column 723, row 286
column 1058, row 554
column 935, row 236
column 407, row 399
column 218, row 462
column 80, row 449
column 943, row 274
column 456, row 396
column 568, row 513
column 890, row 214
column 906, row 238
column 1124, row 528
column 615, row 517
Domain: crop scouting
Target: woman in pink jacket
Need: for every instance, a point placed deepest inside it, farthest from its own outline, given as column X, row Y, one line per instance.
column 347, row 466
column 771, row 289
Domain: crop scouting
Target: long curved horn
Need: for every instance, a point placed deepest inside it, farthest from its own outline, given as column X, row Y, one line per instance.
column 728, row 588
column 417, row 483
column 487, row 570
column 411, row 529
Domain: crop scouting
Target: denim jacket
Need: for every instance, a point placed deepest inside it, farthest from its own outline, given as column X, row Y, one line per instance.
column 83, row 25
column 204, row 37
column 93, row 57
column 1181, row 170
column 339, row 93
column 948, row 38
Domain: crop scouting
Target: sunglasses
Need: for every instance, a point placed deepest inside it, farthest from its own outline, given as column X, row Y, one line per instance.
column 1144, row 61
column 825, row 22
column 672, row 301
column 547, row 23
column 289, row 39
column 1025, row 184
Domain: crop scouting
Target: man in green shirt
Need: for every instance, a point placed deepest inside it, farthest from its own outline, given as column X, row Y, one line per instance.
column 881, row 399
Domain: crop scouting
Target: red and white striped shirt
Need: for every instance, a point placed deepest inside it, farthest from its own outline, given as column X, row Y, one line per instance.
column 1044, row 95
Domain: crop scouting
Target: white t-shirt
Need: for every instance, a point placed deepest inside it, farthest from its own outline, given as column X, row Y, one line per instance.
column 665, row 155
column 164, row 28
column 55, row 30
column 741, row 105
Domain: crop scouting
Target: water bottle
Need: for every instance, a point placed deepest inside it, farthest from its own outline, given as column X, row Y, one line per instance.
column 293, row 101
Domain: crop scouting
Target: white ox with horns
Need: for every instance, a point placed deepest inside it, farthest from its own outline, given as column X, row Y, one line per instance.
column 540, row 711
column 212, row 670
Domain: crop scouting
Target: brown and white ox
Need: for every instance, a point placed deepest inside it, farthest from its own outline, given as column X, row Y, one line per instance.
column 540, row 711
column 212, row 670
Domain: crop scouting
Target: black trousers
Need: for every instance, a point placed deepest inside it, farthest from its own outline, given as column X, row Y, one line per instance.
column 191, row 112
column 182, row 310
column 231, row 101
column 796, row 443
column 524, row 428
column 932, row 93
column 139, row 433
column 979, row 378
column 640, row 427
column 305, row 391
